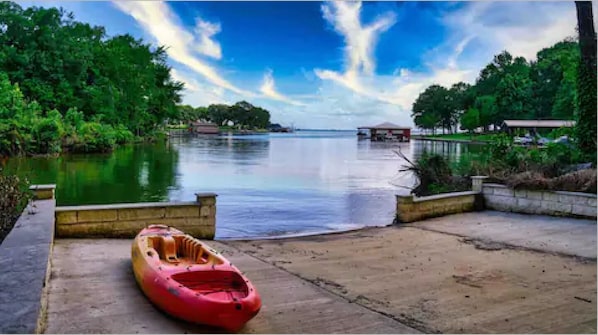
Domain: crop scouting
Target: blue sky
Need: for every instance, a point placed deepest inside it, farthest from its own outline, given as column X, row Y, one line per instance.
column 329, row 64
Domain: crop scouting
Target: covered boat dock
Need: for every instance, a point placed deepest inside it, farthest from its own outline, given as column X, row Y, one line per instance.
column 535, row 126
column 386, row 132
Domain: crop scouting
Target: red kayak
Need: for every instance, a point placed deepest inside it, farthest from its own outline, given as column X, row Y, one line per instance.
column 189, row 280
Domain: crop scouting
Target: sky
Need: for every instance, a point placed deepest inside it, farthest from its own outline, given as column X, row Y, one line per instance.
column 329, row 65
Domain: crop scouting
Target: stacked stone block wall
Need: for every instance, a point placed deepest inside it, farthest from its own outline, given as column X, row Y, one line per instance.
column 126, row 220
column 410, row 208
column 556, row 203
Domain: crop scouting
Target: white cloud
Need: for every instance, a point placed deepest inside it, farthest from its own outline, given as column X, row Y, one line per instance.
column 207, row 46
column 360, row 39
column 476, row 32
column 522, row 28
column 157, row 20
column 268, row 89
column 190, row 84
column 398, row 89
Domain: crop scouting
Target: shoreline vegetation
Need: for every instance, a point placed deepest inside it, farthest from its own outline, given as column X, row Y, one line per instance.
column 560, row 84
column 553, row 167
column 66, row 86
column 241, row 117
column 507, row 88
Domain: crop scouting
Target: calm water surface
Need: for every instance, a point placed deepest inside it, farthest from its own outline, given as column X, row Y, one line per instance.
column 267, row 185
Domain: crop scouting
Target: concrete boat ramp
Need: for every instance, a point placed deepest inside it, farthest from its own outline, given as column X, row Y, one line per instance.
column 92, row 290
column 485, row 272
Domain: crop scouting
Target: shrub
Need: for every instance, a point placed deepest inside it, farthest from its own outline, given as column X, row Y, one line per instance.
column 14, row 196
column 123, row 135
column 434, row 175
column 563, row 131
column 578, row 181
column 95, row 137
column 47, row 133
column 470, row 164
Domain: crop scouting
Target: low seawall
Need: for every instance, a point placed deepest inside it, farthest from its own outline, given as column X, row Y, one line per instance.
column 25, row 263
column 496, row 197
column 556, row 203
column 411, row 208
column 196, row 218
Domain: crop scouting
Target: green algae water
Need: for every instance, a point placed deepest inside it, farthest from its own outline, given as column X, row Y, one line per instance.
column 267, row 185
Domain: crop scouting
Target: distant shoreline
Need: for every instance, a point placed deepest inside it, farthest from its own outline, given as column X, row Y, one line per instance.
column 436, row 139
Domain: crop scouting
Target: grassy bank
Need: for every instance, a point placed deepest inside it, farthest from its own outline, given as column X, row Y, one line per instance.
column 235, row 130
column 14, row 195
column 555, row 167
column 460, row 137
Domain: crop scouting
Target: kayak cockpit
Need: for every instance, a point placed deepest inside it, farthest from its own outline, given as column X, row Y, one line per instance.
column 181, row 249
column 218, row 284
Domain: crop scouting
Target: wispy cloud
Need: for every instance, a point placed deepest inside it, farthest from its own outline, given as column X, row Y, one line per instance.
column 360, row 39
column 268, row 89
column 521, row 28
column 161, row 24
column 360, row 42
column 205, row 31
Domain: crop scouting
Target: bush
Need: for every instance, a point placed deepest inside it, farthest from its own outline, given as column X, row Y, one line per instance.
column 578, row 181
column 14, row 196
column 47, row 134
column 24, row 129
column 563, row 131
column 123, row 135
column 471, row 164
column 95, row 137
column 434, row 175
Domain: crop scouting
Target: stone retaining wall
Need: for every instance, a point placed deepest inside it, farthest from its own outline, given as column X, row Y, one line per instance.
column 43, row 192
column 557, row 203
column 126, row 220
column 411, row 208
column 25, row 263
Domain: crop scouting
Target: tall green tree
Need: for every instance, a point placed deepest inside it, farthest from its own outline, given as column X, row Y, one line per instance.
column 487, row 109
column 461, row 99
column 470, row 120
column 436, row 101
column 586, row 83
column 554, row 76
column 62, row 64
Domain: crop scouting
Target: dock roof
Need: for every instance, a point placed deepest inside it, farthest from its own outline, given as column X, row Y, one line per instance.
column 385, row 125
column 539, row 123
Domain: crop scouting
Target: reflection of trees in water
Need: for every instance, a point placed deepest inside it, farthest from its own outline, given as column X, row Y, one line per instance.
column 239, row 150
column 450, row 150
column 129, row 174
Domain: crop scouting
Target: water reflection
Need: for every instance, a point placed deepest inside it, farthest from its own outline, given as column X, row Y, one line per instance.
column 272, row 184
column 129, row 174
column 450, row 150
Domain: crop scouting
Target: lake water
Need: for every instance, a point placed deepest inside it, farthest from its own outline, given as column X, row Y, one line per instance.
column 267, row 185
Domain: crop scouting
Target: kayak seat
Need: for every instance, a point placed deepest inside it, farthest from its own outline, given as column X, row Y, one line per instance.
column 168, row 249
column 194, row 251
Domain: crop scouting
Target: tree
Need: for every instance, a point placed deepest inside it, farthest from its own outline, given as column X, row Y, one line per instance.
column 586, row 82
column 470, row 120
column 219, row 114
column 434, row 104
column 554, row 76
column 487, row 109
column 461, row 99
column 63, row 64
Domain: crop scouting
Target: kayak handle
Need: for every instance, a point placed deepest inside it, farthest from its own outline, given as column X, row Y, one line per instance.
column 158, row 226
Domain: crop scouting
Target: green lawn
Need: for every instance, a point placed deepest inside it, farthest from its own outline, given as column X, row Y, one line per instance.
column 177, row 126
column 464, row 137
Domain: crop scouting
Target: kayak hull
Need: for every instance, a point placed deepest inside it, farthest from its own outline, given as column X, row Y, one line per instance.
column 189, row 280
